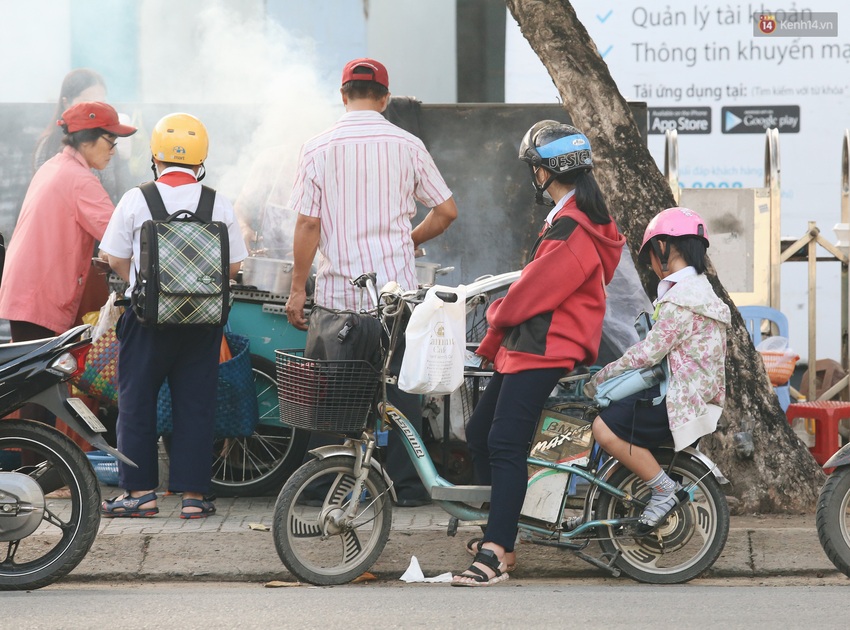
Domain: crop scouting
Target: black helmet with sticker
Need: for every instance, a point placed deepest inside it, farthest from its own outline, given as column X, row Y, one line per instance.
column 556, row 147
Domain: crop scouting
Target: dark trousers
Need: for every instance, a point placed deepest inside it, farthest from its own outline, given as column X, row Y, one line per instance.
column 188, row 357
column 399, row 467
column 498, row 434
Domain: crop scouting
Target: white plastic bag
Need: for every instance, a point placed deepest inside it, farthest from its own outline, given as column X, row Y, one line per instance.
column 109, row 314
column 436, row 344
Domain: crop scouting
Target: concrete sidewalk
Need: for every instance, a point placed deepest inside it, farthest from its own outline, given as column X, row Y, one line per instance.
column 223, row 547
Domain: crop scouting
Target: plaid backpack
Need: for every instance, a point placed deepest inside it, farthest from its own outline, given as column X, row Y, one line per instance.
column 183, row 275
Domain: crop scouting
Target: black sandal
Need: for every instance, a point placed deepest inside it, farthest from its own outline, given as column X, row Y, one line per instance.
column 488, row 558
column 474, row 545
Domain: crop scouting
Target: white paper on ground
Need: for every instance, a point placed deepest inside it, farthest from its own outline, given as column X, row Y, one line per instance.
column 414, row 574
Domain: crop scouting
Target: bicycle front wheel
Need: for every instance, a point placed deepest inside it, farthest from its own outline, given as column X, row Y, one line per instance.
column 312, row 535
column 686, row 544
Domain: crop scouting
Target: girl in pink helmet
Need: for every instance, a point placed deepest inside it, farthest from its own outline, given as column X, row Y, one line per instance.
column 690, row 330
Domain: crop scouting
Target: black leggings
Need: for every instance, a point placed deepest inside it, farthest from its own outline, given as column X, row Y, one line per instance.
column 498, row 435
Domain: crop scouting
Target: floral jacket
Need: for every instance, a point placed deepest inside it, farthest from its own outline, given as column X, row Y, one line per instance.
column 690, row 329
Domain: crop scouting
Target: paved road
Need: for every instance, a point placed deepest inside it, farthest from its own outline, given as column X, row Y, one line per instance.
column 610, row 604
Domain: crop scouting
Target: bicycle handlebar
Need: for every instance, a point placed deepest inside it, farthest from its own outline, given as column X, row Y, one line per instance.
column 445, row 296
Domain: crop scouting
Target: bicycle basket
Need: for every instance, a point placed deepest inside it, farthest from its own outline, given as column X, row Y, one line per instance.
column 319, row 395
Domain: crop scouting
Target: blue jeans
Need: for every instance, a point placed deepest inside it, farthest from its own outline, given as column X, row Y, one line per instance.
column 498, row 435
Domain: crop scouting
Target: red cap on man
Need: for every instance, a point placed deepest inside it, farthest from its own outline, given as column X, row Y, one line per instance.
column 366, row 70
column 94, row 115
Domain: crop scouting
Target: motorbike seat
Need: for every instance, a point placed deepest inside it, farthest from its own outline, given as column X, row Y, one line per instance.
column 12, row 351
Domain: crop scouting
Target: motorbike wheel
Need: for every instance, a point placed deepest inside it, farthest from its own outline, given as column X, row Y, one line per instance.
column 261, row 463
column 310, row 538
column 68, row 526
column 686, row 544
column 833, row 518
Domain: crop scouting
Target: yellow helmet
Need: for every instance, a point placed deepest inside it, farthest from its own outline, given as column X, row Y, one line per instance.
column 180, row 138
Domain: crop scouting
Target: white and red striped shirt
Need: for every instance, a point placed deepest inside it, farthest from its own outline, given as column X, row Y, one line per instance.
column 361, row 177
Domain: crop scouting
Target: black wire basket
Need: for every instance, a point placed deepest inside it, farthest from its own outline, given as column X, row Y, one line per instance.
column 329, row 396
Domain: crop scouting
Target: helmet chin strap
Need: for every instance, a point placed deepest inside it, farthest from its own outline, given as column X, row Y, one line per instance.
column 539, row 190
column 202, row 171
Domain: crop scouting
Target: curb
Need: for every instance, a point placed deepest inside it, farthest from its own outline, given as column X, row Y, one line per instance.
column 750, row 552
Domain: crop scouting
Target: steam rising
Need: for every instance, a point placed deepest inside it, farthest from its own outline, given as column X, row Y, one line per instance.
column 265, row 76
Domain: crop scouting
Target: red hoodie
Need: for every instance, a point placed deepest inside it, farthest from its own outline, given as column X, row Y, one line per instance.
column 552, row 315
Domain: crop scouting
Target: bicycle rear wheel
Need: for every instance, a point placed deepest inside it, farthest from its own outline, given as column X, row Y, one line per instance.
column 312, row 537
column 686, row 544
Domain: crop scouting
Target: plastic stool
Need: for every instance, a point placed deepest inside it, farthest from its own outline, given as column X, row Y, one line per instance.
column 826, row 414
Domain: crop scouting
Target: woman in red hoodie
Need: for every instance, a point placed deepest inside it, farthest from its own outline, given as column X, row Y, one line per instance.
column 549, row 321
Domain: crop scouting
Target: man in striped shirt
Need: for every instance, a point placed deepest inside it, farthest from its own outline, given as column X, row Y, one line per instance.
column 355, row 194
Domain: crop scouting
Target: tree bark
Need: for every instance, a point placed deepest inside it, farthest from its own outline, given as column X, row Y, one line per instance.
column 781, row 475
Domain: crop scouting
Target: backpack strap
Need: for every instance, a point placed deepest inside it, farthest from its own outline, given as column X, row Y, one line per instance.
column 154, row 201
column 205, row 204
column 157, row 206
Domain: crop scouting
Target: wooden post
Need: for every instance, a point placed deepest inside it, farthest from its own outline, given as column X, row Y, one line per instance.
column 771, row 182
column 671, row 161
column 812, row 255
column 845, row 276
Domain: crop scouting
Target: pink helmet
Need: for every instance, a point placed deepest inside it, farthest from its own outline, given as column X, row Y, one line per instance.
column 673, row 222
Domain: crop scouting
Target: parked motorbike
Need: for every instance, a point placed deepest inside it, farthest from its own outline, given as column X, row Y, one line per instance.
column 43, row 537
column 833, row 511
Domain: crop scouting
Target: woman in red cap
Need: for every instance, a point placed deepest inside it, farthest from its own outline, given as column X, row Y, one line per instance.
column 66, row 209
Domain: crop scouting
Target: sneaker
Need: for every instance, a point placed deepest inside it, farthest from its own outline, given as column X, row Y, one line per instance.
column 659, row 507
column 573, row 522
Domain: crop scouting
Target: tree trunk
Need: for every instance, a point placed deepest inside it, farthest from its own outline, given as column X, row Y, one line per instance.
column 781, row 475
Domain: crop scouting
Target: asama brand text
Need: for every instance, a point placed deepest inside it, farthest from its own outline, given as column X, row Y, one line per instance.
column 407, row 430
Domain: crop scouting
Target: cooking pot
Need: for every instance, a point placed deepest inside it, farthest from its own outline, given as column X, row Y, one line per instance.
column 427, row 272
column 267, row 274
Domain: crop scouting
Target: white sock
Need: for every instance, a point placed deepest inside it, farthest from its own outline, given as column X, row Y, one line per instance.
column 661, row 484
column 663, row 498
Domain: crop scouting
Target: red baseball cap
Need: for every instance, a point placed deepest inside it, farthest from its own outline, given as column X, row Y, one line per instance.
column 94, row 115
column 369, row 70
